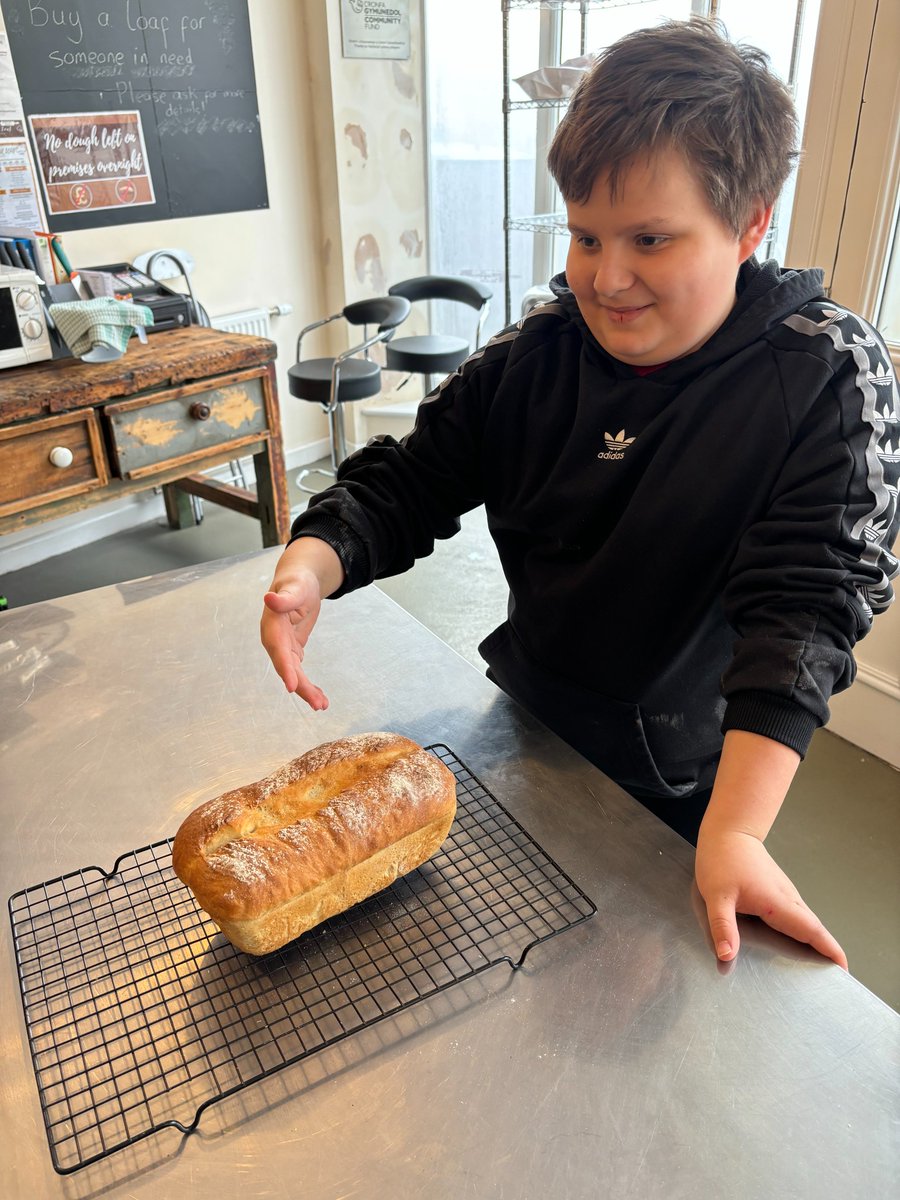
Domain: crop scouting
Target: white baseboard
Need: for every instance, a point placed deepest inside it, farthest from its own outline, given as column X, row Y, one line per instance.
column 58, row 536
column 39, row 542
column 868, row 714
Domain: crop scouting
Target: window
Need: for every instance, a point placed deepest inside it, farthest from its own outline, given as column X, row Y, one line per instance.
column 887, row 316
column 464, row 55
column 849, row 187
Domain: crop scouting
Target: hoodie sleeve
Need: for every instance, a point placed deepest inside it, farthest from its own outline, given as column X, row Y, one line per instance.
column 393, row 500
column 810, row 575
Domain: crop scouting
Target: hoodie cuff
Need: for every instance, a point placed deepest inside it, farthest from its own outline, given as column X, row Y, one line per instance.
column 343, row 541
column 771, row 717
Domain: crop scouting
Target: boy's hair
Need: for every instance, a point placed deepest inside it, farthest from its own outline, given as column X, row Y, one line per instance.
column 681, row 85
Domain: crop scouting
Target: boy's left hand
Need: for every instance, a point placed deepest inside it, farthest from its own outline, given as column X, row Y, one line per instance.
column 736, row 874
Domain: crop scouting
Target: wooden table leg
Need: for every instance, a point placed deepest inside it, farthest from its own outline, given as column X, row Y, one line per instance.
column 271, row 494
column 179, row 510
column 271, row 480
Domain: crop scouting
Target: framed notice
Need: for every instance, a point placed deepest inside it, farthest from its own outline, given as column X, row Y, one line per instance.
column 92, row 160
column 375, row 28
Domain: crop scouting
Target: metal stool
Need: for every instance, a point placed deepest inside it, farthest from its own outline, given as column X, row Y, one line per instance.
column 330, row 382
column 437, row 354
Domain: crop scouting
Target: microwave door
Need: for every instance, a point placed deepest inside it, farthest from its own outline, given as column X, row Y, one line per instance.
column 10, row 336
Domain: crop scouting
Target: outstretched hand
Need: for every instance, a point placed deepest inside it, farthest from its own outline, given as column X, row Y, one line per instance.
column 289, row 614
column 308, row 571
column 736, row 874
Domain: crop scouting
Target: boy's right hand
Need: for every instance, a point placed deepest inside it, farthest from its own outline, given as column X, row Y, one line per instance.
column 287, row 621
column 308, row 571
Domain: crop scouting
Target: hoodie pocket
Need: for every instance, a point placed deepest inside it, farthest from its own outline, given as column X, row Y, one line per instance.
column 608, row 732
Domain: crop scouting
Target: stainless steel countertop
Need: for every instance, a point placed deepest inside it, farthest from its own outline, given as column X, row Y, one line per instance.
column 621, row 1061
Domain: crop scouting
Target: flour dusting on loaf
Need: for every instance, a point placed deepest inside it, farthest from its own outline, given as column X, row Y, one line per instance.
column 274, row 858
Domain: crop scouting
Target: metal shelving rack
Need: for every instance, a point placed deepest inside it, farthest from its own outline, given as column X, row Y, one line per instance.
column 553, row 223
column 535, row 223
column 548, row 222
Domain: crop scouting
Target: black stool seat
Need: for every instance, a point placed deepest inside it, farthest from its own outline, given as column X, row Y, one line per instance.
column 311, row 379
column 430, row 354
column 436, row 354
column 331, row 382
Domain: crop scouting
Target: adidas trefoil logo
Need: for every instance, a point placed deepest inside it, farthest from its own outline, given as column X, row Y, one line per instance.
column 615, row 446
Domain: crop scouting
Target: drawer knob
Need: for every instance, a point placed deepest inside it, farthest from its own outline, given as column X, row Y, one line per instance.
column 200, row 411
column 61, row 456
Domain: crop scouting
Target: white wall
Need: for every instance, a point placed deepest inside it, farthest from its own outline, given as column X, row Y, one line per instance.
column 868, row 715
column 371, row 171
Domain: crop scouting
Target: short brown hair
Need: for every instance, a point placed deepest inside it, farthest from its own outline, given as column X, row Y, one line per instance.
column 681, row 85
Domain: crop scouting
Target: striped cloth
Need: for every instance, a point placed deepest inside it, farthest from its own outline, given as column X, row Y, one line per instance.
column 104, row 321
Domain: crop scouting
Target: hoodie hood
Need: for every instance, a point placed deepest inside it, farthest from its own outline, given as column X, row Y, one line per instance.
column 766, row 294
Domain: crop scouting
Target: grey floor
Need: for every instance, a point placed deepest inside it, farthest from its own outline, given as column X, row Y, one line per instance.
column 839, row 830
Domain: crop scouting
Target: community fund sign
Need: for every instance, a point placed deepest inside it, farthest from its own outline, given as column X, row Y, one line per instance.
column 92, row 160
column 375, row 28
column 139, row 110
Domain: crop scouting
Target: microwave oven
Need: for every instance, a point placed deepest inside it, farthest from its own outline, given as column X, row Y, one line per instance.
column 24, row 337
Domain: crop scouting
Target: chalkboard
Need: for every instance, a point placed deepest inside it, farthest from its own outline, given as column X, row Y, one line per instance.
column 139, row 110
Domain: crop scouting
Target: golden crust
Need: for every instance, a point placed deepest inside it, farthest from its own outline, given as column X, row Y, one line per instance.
column 272, row 859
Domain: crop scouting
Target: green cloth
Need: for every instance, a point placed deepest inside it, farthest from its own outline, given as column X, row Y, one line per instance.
column 104, row 321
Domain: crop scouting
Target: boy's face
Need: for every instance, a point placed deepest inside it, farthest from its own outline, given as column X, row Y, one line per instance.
column 654, row 269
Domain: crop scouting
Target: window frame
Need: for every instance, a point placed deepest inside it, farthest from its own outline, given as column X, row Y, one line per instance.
column 847, row 186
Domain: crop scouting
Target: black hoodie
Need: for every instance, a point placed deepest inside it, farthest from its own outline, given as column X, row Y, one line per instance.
column 688, row 551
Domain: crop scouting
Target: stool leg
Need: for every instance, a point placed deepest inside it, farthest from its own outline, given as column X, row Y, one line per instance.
column 338, row 441
column 300, row 480
column 336, row 435
column 335, row 431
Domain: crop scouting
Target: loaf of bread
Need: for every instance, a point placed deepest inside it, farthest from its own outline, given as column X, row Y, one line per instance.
column 272, row 859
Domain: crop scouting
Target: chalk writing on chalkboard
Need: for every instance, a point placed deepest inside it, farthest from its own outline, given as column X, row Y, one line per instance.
column 174, row 77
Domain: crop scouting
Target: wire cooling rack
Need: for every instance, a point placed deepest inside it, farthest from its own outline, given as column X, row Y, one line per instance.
column 140, row 1014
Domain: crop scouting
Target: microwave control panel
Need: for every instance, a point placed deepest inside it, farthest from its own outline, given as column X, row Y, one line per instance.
column 24, row 337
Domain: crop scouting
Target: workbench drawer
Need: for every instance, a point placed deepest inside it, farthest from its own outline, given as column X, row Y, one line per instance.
column 152, row 433
column 50, row 459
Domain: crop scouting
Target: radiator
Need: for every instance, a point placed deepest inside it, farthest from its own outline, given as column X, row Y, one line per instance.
column 251, row 320
column 257, row 321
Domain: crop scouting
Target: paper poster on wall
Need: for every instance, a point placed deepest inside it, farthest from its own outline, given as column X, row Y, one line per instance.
column 92, row 160
column 19, row 201
column 11, row 122
column 375, row 28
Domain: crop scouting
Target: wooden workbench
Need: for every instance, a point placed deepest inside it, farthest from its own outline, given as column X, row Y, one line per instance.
column 165, row 412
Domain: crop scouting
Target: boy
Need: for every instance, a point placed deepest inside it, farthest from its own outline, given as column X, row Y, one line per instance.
column 679, row 461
